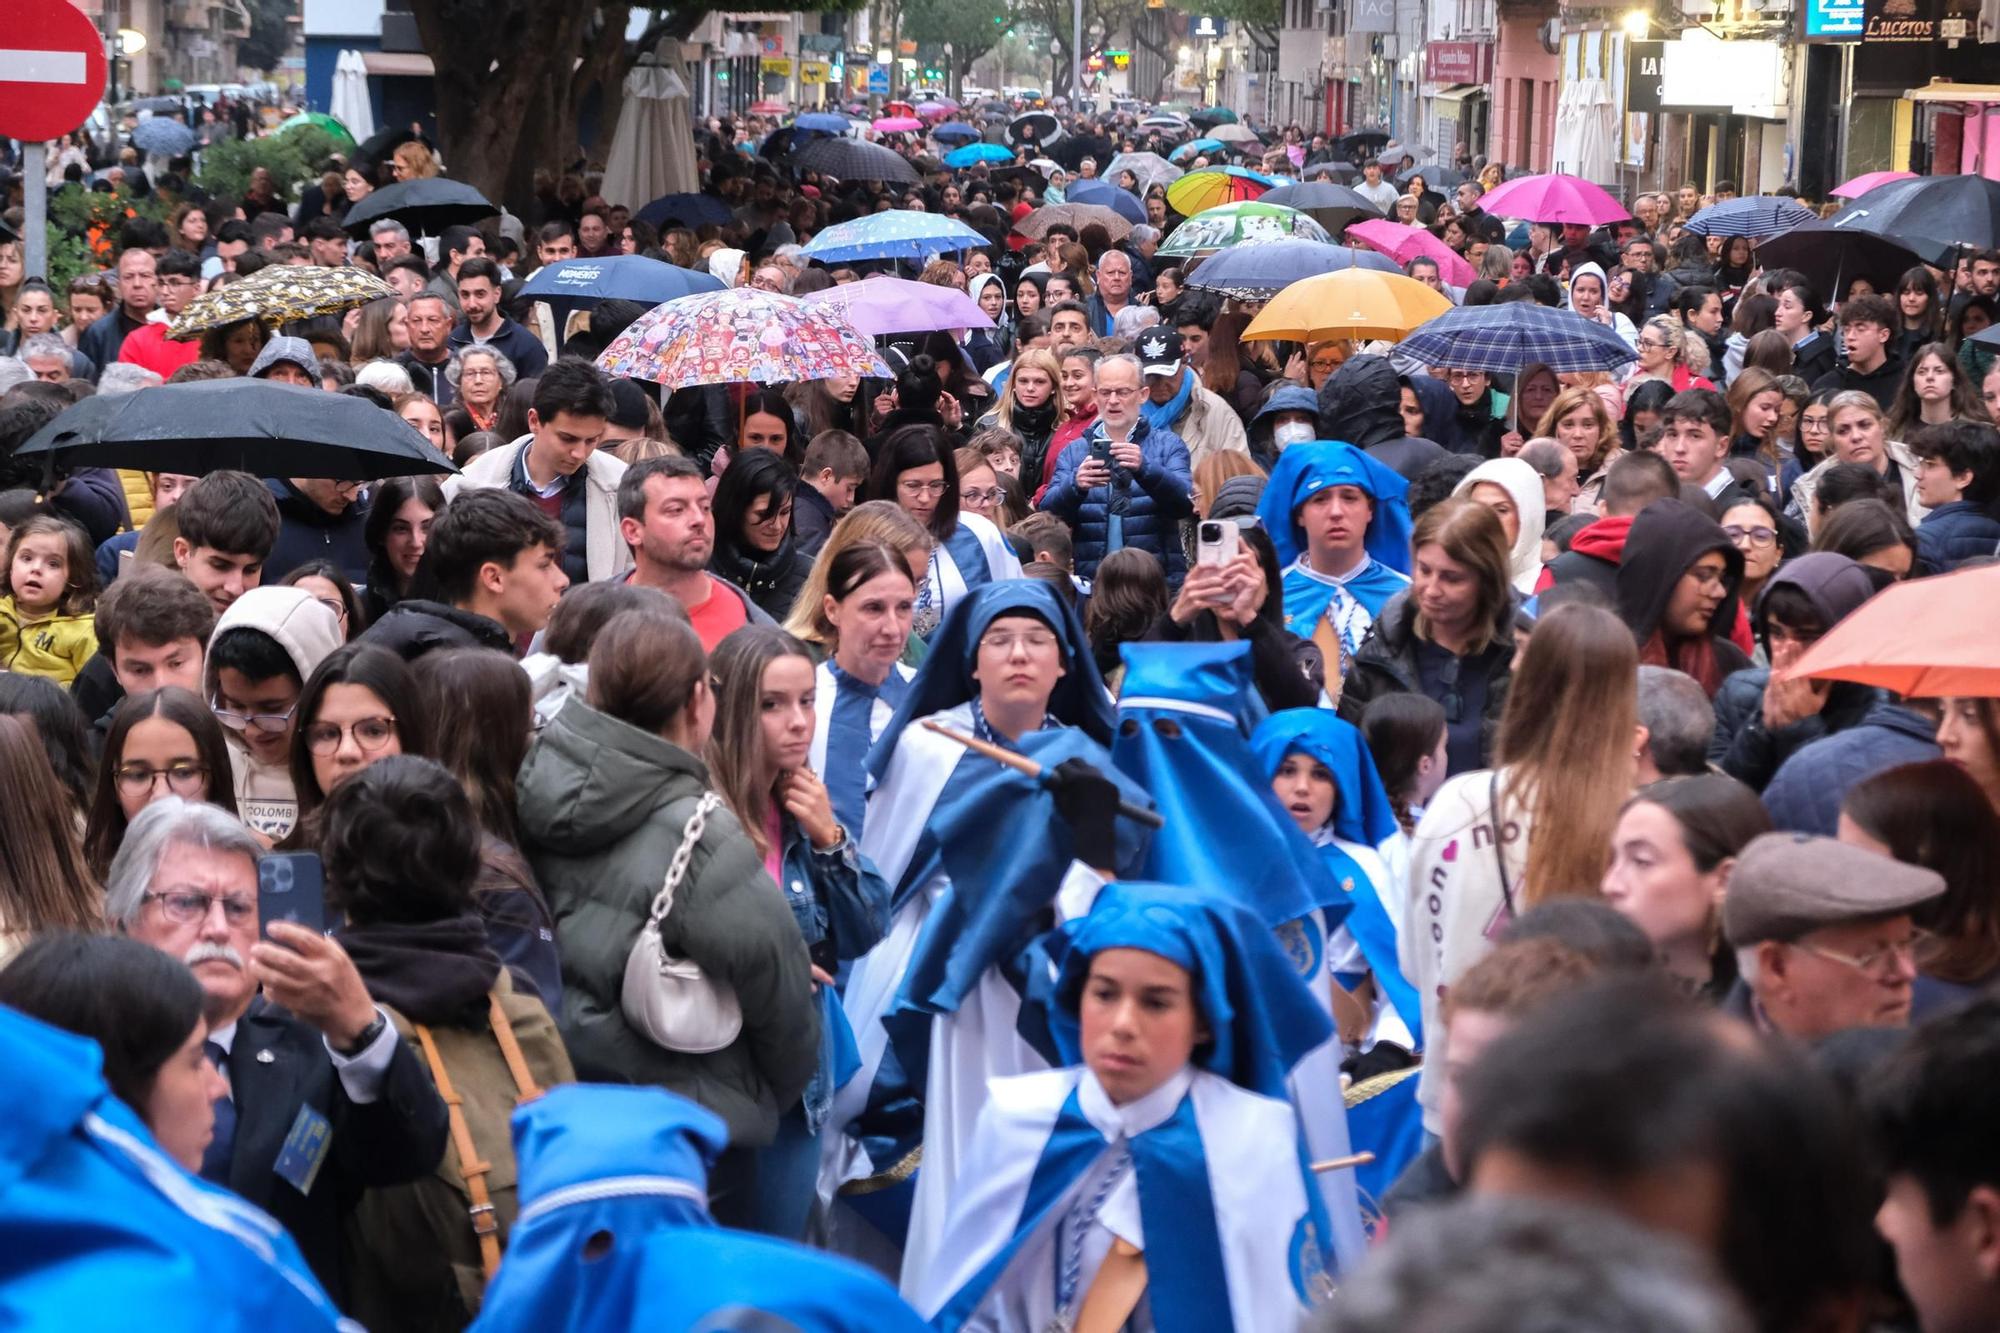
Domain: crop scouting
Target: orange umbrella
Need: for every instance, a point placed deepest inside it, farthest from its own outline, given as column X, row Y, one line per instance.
column 1928, row 638
column 1347, row 303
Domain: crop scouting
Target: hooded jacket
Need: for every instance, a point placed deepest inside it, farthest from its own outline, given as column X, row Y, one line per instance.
column 1362, row 403
column 1618, row 323
column 1666, row 538
column 414, row 627
column 1593, row 557
column 307, row 631
column 1524, row 486
column 1741, row 746
column 1285, row 398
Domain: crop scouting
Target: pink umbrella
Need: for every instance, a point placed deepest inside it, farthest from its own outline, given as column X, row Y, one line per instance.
column 1868, row 180
column 898, row 125
column 1553, row 198
column 898, row 305
column 1403, row 244
column 933, row 111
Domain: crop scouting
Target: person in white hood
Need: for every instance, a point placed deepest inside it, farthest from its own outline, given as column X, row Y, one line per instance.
column 263, row 649
column 1513, row 491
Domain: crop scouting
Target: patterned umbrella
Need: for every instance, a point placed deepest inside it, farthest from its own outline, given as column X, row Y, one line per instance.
column 853, row 160
column 1332, row 206
column 278, row 294
column 1257, row 271
column 1149, row 169
column 1506, row 337
column 1205, row 189
column 1755, row 216
column 896, row 234
column 1403, row 244
column 1553, row 197
column 744, row 335
column 897, row 125
column 1233, row 224
column 1036, row 224
column 1106, row 195
column 974, row 153
column 1352, row 303
column 881, row 305
column 168, row 138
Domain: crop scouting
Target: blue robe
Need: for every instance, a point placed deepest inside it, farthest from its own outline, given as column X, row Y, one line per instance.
column 848, row 714
column 974, row 555
column 1350, row 604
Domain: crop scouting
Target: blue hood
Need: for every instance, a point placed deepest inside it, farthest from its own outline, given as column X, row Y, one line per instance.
column 1313, row 466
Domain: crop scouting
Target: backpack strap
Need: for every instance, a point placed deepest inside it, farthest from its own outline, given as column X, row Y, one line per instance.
column 510, row 1050
column 485, row 1225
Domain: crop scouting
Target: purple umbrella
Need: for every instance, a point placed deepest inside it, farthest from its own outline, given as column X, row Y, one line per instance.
column 897, row 305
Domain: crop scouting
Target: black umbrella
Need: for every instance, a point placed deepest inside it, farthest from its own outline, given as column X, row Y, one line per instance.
column 254, row 426
column 854, row 160
column 1332, row 206
column 425, row 206
column 1361, row 141
column 1832, row 256
column 1047, row 129
column 1931, row 214
column 1334, row 171
column 1434, row 173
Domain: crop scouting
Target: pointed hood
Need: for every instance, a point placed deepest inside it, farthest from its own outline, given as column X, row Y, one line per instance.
column 1362, row 812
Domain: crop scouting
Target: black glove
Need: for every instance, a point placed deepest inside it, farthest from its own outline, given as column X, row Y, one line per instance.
column 1088, row 803
column 1384, row 1057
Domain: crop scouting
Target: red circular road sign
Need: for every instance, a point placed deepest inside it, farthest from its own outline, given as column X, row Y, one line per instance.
column 51, row 68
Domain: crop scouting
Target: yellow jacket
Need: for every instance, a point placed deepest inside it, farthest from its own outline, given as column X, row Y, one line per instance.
column 55, row 646
column 138, row 497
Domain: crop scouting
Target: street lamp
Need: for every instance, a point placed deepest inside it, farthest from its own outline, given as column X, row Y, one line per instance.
column 1636, row 24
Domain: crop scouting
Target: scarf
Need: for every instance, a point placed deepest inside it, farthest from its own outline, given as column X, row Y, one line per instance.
column 1163, row 415
column 436, row 972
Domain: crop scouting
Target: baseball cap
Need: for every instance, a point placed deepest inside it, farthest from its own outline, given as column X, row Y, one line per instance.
column 1789, row 884
column 1160, row 352
column 296, row 351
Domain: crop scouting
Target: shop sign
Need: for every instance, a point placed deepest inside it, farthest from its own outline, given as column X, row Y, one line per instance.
column 1457, row 62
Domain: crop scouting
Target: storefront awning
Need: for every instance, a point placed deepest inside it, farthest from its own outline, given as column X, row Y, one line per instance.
column 414, row 64
column 1458, row 92
column 1938, row 90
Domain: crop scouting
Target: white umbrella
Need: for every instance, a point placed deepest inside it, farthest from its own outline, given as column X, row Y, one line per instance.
column 652, row 150
column 350, row 104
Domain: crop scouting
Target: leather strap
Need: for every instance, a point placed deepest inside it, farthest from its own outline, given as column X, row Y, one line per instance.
column 484, row 1223
column 510, row 1051
column 1115, row 1290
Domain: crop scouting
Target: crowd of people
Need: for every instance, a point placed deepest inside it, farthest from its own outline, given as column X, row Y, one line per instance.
column 1111, row 825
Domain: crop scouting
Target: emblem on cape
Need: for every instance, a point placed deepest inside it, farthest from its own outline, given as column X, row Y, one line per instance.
column 1303, row 944
column 1310, row 1278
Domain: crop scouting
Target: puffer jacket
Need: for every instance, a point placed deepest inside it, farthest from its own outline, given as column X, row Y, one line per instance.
column 1151, row 501
column 1386, row 663
column 1953, row 533
column 1806, row 794
column 603, row 806
column 772, row 578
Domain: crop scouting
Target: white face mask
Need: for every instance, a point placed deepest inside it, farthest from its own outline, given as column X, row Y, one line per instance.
column 1288, row 433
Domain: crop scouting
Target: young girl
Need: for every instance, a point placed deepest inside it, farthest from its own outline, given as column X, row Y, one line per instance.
column 46, row 626
column 1156, row 1182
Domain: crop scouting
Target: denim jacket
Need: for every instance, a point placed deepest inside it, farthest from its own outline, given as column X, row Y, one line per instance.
column 835, row 895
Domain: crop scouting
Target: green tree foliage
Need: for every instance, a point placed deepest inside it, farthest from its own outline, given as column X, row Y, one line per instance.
column 270, row 33
column 292, row 158
column 971, row 26
column 83, row 228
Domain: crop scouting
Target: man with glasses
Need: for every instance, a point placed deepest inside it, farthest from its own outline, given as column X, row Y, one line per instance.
column 1823, row 936
column 1126, row 482
column 264, row 647
column 324, row 1099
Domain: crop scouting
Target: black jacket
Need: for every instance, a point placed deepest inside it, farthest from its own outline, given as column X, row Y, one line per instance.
column 1666, row 539
column 812, row 518
column 397, row 1138
column 1880, row 384
column 307, row 532
column 1816, row 360
column 414, row 627
column 1387, row 663
column 430, row 380
column 773, row 580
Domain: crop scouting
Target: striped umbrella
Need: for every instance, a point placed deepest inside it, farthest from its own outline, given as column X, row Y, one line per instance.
column 1755, row 216
column 1201, row 190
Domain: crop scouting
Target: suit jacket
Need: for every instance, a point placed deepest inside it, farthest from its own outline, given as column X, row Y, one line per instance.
column 397, row 1138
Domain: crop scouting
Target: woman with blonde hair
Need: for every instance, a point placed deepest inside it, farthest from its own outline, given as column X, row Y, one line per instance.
column 1031, row 407
column 880, row 521
column 1211, row 472
column 414, row 161
column 1662, row 345
column 1579, row 421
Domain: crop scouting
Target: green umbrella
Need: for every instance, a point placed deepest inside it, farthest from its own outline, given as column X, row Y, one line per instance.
column 322, row 122
column 1216, row 113
column 1248, row 220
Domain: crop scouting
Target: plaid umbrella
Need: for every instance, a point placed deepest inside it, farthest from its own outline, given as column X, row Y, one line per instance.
column 1036, row 224
column 1204, row 189
column 278, row 294
column 1233, row 224
column 1259, row 271
column 896, row 234
column 1506, row 337
column 743, row 335
column 1755, row 216
column 853, row 160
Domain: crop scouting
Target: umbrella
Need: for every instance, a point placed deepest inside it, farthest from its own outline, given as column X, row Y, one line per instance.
column 319, row 120
column 1215, row 115
column 1257, row 271
column 1434, row 173
column 1332, row 206
column 1361, row 141
column 1867, row 181
column 740, row 335
column 1234, row 133
column 896, row 234
column 255, row 426
column 1046, row 128
column 1506, row 337
column 896, row 125
column 1149, row 169
column 1934, row 213
column 854, row 160
column 1339, row 171
column 881, row 305
column 1078, row 216
column 823, row 122
column 168, row 138
column 1176, row 124
column 425, row 206
column 768, row 107
column 1106, row 195
column 1928, row 638
column 935, row 111
column 1755, row 216
column 278, row 294
column 974, row 153
column 1351, row 303
column 1403, row 244
column 898, row 109
column 954, row 131
column 1195, row 148
column 159, row 105
column 686, row 210
column 585, row 282
column 1247, row 222
column 1201, row 190
column 1831, row 257
column 1553, row 198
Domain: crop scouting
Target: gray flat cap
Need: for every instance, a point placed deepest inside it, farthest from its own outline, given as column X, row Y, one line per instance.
column 1788, row 884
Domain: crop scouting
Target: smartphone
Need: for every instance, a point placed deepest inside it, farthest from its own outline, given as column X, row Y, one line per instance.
column 291, row 887
column 1216, row 542
column 1100, row 449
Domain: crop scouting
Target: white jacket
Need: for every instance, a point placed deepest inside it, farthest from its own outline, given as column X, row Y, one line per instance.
column 1899, row 453
column 606, row 556
column 307, row 631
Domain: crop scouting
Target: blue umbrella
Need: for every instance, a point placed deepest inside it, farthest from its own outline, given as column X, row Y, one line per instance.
column 824, row 122
column 1195, row 147
column 1260, row 271
column 168, row 138
column 689, row 210
column 893, row 235
column 1506, row 337
column 955, row 131
column 1756, row 216
column 1103, row 192
column 974, row 153
column 581, row 282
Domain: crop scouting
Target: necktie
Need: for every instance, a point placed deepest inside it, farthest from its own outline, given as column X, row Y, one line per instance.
column 215, row 1161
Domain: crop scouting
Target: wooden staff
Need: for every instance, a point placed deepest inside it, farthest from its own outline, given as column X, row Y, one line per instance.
column 1138, row 814
column 1342, row 1163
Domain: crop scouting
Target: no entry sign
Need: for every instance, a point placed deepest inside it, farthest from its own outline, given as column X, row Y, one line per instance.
column 51, row 68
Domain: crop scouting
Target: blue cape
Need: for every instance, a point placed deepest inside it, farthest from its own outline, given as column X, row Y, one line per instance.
column 945, row 679
column 1317, row 464
column 1184, row 735
column 1261, row 1018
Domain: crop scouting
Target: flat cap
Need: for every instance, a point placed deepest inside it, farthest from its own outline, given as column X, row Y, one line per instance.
column 1788, row 884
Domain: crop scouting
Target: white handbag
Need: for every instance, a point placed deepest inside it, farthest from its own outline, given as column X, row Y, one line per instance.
column 670, row 999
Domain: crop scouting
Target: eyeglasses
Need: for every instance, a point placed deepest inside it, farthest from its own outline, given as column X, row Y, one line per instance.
column 188, row 907
column 1757, row 536
column 1464, row 376
column 1817, row 425
column 1035, row 641
column 1653, row 344
column 182, row 779
column 335, row 605
column 1326, row 363
column 923, row 487
column 1112, row 391
column 271, row 724
column 1708, row 578
column 370, row 734
column 1873, row 963
column 982, row 496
